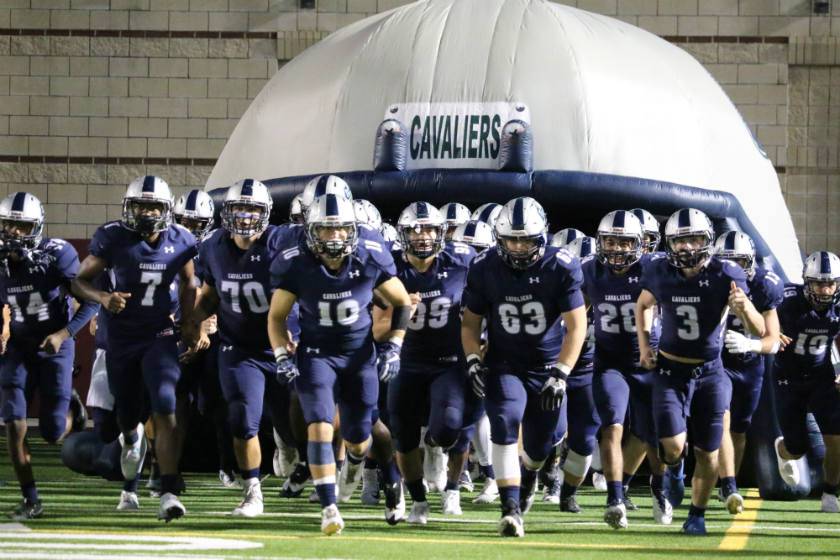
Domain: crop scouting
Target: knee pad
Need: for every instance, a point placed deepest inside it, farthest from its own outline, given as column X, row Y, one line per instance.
column 52, row 427
column 240, row 424
column 662, row 455
column 531, row 464
column 355, row 427
column 503, row 430
column 576, row 464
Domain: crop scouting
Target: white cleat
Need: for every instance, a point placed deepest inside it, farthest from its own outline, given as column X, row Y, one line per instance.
column 170, row 507
column 829, row 503
column 370, row 487
column 735, row 503
column 616, row 516
column 599, row 482
column 452, row 502
column 128, row 501
column 419, row 514
column 131, row 456
column 663, row 511
column 285, row 458
column 229, row 481
column 331, row 521
column 394, row 503
column 434, row 468
column 348, row 480
column 788, row 470
column 251, row 504
column 489, row 493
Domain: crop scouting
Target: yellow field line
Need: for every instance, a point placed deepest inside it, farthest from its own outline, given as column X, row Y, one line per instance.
column 738, row 534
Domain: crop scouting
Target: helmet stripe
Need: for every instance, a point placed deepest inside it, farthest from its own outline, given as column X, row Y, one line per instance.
column 192, row 201
column 618, row 221
column 825, row 262
column 321, row 186
column 19, row 202
column 469, row 231
column 149, row 184
column 485, row 214
column 451, row 212
column 247, row 187
column 332, row 205
column 422, row 210
column 684, row 218
column 518, row 218
column 729, row 240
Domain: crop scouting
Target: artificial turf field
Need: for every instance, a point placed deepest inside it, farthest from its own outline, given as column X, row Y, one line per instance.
column 80, row 522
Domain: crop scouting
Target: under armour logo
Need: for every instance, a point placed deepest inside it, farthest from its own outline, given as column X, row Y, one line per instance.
column 783, row 381
column 835, row 319
column 534, row 280
column 169, row 249
column 227, row 348
column 632, row 279
column 311, row 350
column 256, row 258
column 443, row 274
column 664, row 371
column 354, row 274
column 702, row 283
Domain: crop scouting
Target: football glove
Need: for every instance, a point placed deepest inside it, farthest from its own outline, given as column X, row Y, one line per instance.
column 286, row 371
column 554, row 389
column 388, row 362
column 477, row 372
column 736, row 343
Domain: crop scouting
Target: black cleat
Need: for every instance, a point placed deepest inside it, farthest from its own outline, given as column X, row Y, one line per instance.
column 628, row 503
column 294, row 485
column 511, row 524
column 569, row 505
column 27, row 510
column 80, row 415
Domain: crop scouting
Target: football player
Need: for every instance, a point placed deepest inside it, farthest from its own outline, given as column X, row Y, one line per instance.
column 455, row 214
column 35, row 276
column 432, row 383
column 612, row 285
column 234, row 265
column 803, row 374
column 694, row 291
column 144, row 252
column 743, row 360
column 333, row 278
column 524, row 288
column 476, row 234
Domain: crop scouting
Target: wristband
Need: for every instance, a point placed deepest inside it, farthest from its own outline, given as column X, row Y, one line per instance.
column 396, row 341
column 564, row 369
column 280, row 353
column 756, row 346
column 472, row 357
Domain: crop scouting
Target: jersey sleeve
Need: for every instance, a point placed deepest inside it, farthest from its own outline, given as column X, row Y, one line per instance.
column 382, row 261
column 474, row 297
column 102, row 243
column 283, row 274
column 570, row 281
column 736, row 274
column 773, row 293
column 202, row 264
column 66, row 259
column 650, row 274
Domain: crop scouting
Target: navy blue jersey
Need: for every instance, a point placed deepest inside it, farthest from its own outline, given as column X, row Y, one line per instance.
column 100, row 339
column 471, row 252
column 334, row 306
column 146, row 272
column 585, row 362
column 693, row 310
column 613, row 299
column 36, row 290
column 243, row 282
column 766, row 293
column 524, row 307
column 434, row 332
column 813, row 332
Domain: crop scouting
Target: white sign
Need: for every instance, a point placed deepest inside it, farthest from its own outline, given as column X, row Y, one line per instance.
column 455, row 134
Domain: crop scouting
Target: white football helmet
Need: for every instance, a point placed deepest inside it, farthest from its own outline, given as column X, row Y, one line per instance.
column 21, row 222
column 334, row 215
column 737, row 246
column 195, row 211
column 390, row 234
column 487, row 213
column 296, row 211
column 582, row 246
column 521, row 220
column 650, row 225
column 418, row 217
column 478, row 235
column 367, row 213
column 689, row 222
column 822, row 266
column 247, row 208
column 625, row 226
column 321, row 185
column 143, row 197
column 565, row 236
column 455, row 214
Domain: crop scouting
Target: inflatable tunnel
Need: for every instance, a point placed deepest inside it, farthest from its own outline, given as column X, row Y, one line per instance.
column 480, row 101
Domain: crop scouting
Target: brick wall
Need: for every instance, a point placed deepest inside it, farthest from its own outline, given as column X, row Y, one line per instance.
column 96, row 92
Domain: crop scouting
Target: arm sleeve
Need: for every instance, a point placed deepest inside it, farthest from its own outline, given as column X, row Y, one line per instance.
column 474, row 297
column 283, row 274
column 202, row 265
column 570, row 282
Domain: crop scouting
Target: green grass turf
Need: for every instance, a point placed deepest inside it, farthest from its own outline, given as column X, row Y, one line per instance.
column 84, row 506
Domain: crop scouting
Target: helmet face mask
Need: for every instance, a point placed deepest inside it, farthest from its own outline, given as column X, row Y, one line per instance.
column 521, row 233
column 822, row 294
column 247, row 208
column 147, row 206
column 197, row 226
column 618, row 252
column 689, row 238
column 422, row 230
column 521, row 252
column 333, row 241
column 21, row 224
column 331, row 227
